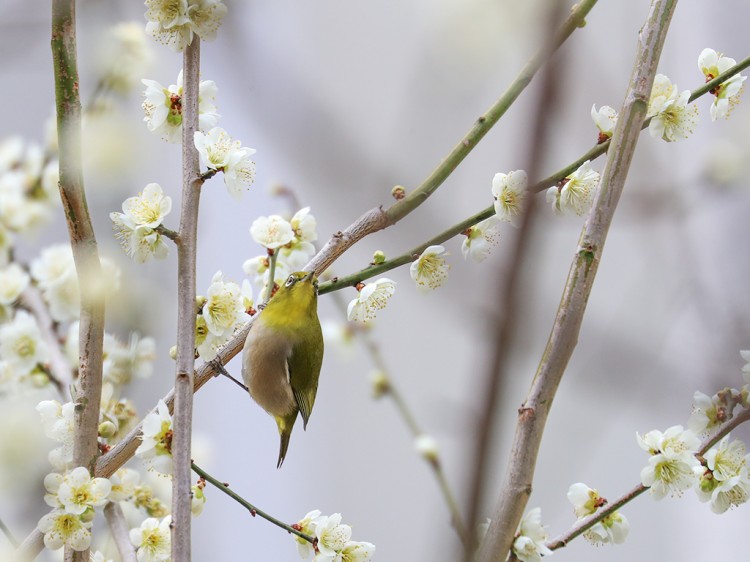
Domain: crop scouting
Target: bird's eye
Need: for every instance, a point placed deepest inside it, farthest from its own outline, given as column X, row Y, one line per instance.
column 290, row 281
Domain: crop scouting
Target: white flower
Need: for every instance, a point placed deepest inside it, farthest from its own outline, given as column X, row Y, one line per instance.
column 123, row 362
column 613, row 529
column 481, row 238
column 21, row 344
column 605, row 120
column 124, row 56
column 299, row 251
column 672, row 467
column 219, row 152
column 257, row 268
column 208, row 344
column 61, row 528
column 246, row 294
column 304, row 225
column 52, row 264
column 427, row 447
column 77, row 492
column 59, row 425
column 163, row 108
column 6, row 243
column 198, row 500
column 675, row 439
column 529, row 546
column 153, row 540
column 332, row 535
column 708, row 413
column 675, row 120
column 124, row 482
column 725, row 482
column 509, row 191
column 670, row 473
column 55, row 273
column 239, row 172
column 307, row 526
column 149, row 207
column 99, row 557
column 662, row 91
column 430, row 269
column 271, row 232
column 727, row 93
column 745, row 354
column 140, row 243
column 224, row 309
column 355, row 551
column 13, row 281
column 586, row 501
column 173, row 22
column 575, row 192
column 372, row 297
column 156, row 441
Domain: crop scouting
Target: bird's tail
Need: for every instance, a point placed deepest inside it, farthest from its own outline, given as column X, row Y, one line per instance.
column 285, row 432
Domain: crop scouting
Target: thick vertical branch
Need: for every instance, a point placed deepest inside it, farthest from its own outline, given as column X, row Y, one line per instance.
column 118, row 526
column 87, row 394
column 508, row 288
column 186, row 289
column 516, row 489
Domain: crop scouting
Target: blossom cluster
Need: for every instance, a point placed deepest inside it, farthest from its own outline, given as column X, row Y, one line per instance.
column 28, row 190
column 677, row 463
column 136, row 227
column 222, row 311
column 173, row 22
column 333, row 540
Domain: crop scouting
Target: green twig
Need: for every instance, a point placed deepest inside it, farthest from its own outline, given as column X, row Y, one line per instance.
column 250, row 507
column 593, row 153
column 272, row 257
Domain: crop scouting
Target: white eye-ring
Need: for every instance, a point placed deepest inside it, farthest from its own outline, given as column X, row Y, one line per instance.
column 290, row 281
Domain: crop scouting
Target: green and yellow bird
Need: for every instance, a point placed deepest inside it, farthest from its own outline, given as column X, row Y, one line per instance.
column 283, row 354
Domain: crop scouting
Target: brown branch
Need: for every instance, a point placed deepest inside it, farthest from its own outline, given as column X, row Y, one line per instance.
column 517, row 486
column 87, row 395
column 120, row 531
column 186, row 291
column 506, row 318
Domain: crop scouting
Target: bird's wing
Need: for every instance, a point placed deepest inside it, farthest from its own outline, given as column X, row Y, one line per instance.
column 304, row 372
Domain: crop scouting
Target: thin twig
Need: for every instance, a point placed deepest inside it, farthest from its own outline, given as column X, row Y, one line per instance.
column 379, row 218
column 533, row 414
column 273, row 256
column 584, row 525
column 120, row 531
column 59, row 368
column 594, row 152
column 186, row 291
column 247, row 505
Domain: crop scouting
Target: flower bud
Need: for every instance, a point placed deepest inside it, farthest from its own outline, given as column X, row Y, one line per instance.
column 107, row 429
column 380, row 384
column 378, row 257
column 398, row 192
column 428, row 448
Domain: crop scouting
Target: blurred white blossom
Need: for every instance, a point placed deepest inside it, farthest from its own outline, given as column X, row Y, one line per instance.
column 156, row 440
column 173, row 22
column 530, row 546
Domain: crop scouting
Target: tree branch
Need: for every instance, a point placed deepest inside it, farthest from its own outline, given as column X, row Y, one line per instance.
column 120, row 531
column 87, row 395
column 186, row 291
column 246, row 504
column 533, row 414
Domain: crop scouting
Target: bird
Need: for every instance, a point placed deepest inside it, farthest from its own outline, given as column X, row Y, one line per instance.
column 283, row 355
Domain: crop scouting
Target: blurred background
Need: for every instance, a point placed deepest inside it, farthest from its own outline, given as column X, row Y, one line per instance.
column 344, row 100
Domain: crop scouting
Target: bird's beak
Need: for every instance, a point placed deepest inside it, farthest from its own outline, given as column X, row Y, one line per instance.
column 309, row 276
